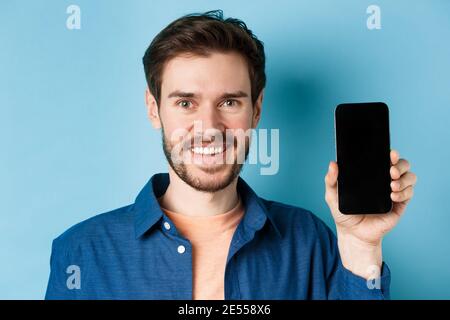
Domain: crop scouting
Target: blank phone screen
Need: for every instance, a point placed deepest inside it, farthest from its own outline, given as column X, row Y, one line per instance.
column 363, row 157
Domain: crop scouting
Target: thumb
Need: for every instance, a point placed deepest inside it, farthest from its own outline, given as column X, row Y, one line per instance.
column 331, row 184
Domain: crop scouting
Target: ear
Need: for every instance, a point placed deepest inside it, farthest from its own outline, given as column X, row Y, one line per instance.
column 257, row 108
column 152, row 109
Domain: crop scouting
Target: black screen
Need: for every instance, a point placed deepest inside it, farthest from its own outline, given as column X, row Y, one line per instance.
column 363, row 157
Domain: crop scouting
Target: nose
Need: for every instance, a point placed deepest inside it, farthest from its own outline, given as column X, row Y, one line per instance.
column 211, row 119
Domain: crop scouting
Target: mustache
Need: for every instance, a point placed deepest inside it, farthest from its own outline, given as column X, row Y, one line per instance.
column 225, row 138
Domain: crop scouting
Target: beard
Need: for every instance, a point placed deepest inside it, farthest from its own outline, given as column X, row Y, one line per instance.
column 214, row 183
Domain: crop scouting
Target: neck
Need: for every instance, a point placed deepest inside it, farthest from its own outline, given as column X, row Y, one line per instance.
column 182, row 198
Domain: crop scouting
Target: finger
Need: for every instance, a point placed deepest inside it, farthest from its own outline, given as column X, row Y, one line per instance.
column 399, row 169
column 395, row 156
column 392, row 218
column 408, row 179
column 331, row 184
column 331, row 177
column 403, row 196
column 399, row 208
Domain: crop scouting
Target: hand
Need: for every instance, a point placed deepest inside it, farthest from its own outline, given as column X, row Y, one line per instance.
column 361, row 235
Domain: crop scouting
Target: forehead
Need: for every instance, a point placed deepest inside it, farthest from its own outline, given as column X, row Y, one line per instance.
column 212, row 74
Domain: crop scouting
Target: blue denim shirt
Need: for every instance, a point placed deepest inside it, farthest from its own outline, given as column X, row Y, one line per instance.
column 278, row 251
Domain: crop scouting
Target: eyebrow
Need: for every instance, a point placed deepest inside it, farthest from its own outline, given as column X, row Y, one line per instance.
column 181, row 94
column 237, row 94
column 227, row 95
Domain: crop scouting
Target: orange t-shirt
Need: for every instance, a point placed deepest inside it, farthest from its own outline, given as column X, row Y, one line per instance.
column 210, row 238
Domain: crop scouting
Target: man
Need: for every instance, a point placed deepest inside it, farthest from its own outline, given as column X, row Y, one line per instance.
column 200, row 232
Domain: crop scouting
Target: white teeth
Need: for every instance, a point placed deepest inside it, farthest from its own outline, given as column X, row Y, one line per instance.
column 207, row 150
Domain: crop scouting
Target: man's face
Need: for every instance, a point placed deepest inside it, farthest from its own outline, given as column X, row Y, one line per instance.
column 204, row 100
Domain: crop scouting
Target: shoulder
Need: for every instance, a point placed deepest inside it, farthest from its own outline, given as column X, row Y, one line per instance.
column 94, row 229
column 297, row 221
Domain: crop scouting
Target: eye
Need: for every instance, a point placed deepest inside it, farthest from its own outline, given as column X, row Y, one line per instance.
column 230, row 103
column 185, row 104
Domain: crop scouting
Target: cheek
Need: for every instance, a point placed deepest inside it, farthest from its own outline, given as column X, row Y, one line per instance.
column 240, row 121
column 171, row 122
column 175, row 131
column 243, row 125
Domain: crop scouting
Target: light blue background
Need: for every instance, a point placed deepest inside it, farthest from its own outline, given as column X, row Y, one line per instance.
column 75, row 140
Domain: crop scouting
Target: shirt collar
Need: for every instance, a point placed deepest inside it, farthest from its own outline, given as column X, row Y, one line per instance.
column 147, row 211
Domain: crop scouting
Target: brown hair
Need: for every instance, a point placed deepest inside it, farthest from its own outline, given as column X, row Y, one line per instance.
column 202, row 34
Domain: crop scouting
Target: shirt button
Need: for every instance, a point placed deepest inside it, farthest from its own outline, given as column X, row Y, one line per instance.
column 167, row 225
column 181, row 249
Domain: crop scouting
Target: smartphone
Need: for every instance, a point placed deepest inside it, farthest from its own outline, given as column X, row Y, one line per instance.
column 363, row 158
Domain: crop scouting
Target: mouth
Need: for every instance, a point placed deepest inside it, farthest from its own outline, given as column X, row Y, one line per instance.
column 209, row 155
column 209, row 151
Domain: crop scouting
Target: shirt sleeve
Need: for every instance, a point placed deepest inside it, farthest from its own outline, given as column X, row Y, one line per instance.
column 354, row 287
column 57, row 288
column 342, row 284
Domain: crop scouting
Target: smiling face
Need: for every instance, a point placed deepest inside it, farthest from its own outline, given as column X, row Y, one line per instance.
column 205, row 102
